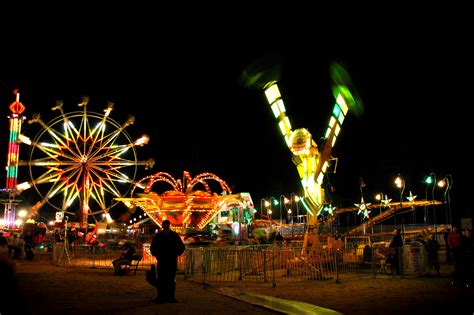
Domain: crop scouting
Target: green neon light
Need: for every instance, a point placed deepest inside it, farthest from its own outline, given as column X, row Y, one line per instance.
column 337, row 110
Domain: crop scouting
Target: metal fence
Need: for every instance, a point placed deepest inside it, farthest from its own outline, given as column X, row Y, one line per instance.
column 274, row 263
column 263, row 263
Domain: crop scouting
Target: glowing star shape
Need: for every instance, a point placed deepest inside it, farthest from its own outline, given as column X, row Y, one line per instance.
column 329, row 209
column 362, row 207
column 411, row 198
column 386, row 202
column 366, row 214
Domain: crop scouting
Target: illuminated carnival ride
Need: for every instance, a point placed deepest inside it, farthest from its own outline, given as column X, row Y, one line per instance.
column 80, row 161
column 312, row 161
column 9, row 200
column 189, row 204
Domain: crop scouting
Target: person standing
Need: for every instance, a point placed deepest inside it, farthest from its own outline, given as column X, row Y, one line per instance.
column 396, row 244
column 468, row 258
column 432, row 249
column 455, row 241
column 3, row 244
column 279, row 239
column 449, row 257
column 166, row 246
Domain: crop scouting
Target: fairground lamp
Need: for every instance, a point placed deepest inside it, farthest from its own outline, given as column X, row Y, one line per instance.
column 285, row 202
column 400, row 183
column 447, row 182
column 275, row 203
column 263, row 202
column 428, row 181
column 294, row 197
column 431, row 179
column 380, row 197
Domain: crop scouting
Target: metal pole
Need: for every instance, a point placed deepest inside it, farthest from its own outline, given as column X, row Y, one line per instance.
column 449, row 184
column 449, row 199
column 432, row 199
column 426, row 206
column 261, row 207
column 280, row 213
column 297, row 212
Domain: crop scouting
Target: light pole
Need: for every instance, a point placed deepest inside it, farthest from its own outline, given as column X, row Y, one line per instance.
column 428, row 181
column 296, row 198
column 285, row 202
column 289, row 220
column 400, row 183
column 275, row 203
column 447, row 182
column 433, row 175
column 379, row 197
column 263, row 202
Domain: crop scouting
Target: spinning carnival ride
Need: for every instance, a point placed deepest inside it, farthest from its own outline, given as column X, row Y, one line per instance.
column 312, row 164
column 185, row 205
column 81, row 161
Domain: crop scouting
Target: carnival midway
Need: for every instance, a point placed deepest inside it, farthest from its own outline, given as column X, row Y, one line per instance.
column 79, row 170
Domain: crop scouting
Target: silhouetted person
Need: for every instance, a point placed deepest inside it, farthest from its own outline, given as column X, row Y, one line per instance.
column 11, row 301
column 166, row 246
column 126, row 257
column 455, row 241
column 432, row 249
column 279, row 238
column 3, row 244
column 396, row 244
column 469, row 258
column 449, row 257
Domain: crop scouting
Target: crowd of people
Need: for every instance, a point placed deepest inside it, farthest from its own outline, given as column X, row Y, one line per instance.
column 15, row 247
column 459, row 252
column 462, row 255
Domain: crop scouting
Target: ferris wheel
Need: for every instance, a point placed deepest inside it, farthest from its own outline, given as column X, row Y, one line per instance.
column 80, row 161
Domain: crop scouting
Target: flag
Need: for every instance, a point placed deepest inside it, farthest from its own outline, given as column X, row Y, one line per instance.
column 361, row 183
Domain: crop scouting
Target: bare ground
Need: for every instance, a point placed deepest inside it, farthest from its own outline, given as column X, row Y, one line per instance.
column 44, row 288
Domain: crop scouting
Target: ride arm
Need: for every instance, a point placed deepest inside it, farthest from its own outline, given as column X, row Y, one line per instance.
column 305, row 152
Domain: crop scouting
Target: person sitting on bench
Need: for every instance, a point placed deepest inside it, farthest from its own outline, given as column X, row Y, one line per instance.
column 125, row 258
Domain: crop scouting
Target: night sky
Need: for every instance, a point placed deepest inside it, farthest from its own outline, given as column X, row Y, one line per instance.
column 183, row 88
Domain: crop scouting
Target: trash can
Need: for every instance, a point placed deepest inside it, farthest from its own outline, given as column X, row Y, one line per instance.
column 414, row 262
column 364, row 253
column 58, row 248
column 146, row 254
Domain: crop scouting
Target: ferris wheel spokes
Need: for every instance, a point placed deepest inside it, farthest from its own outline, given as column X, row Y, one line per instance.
column 89, row 159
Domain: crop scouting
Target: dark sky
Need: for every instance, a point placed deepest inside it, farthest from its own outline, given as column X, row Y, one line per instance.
column 182, row 84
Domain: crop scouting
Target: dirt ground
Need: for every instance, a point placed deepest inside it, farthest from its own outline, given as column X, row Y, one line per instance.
column 43, row 288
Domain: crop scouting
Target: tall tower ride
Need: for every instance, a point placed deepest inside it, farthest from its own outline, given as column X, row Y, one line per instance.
column 12, row 159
